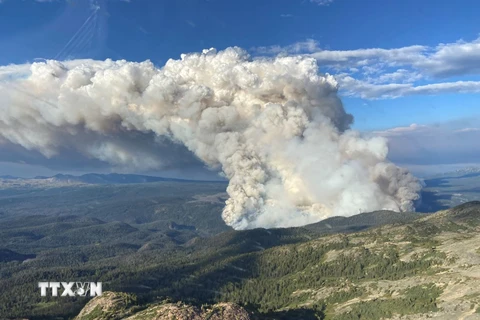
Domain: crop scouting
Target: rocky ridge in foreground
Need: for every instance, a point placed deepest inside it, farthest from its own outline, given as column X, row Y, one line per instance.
column 114, row 305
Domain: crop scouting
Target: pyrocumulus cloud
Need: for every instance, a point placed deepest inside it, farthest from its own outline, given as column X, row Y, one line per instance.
column 275, row 127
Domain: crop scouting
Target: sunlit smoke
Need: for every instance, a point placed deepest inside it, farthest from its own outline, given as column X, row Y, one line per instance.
column 275, row 128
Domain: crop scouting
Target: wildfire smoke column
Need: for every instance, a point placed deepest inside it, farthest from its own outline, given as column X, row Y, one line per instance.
column 275, row 127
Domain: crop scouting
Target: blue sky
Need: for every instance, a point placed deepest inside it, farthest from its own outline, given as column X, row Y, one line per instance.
column 398, row 62
column 137, row 30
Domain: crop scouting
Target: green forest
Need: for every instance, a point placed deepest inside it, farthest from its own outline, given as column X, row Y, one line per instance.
column 278, row 273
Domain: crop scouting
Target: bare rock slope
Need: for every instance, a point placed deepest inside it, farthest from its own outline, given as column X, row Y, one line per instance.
column 114, row 305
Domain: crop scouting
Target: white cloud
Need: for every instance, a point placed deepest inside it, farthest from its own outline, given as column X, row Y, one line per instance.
column 400, row 75
column 452, row 59
column 445, row 60
column 301, row 47
column 373, row 73
column 191, row 23
column 401, row 130
column 405, row 55
column 368, row 90
column 322, row 2
column 468, row 130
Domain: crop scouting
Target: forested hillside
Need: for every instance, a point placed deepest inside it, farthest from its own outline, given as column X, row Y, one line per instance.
column 407, row 267
column 425, row 268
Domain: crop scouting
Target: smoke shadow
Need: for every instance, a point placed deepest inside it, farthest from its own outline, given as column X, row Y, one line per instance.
column 305, row 314
column 437, row 182
column 445, row 181
column 433, row 202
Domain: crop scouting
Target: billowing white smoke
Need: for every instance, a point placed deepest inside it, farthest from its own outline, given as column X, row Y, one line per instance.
column 275, row 127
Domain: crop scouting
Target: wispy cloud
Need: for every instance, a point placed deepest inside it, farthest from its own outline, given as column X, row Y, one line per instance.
column 191, row 23
column 444, row 60
column 468, row 130
column 142, row 30
column 401, row 130
column 322, row 2
column 307, row 46
column 366, row 90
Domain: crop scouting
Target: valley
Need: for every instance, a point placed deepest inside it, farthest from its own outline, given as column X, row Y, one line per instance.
column 166, row 247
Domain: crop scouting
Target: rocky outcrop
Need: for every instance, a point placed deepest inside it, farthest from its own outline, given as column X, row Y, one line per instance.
column 113, row 305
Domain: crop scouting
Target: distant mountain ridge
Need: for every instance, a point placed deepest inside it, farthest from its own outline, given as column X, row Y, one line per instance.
column 467, row 171
column 9, row 177
column 111, row 178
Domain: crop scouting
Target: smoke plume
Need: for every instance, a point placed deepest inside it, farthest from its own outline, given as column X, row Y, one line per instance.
column 275, row 128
